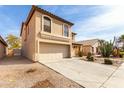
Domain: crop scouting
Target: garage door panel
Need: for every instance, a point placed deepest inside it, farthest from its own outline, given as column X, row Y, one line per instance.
column 53, row 51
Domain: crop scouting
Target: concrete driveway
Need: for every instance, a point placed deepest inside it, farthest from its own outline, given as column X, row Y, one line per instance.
column 87, row 74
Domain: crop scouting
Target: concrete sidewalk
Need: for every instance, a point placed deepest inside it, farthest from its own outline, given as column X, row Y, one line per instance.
column 117, row 79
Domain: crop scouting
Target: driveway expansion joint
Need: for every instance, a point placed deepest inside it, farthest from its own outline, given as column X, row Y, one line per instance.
column 102, row 85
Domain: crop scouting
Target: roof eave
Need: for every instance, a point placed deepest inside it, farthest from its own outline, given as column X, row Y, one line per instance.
column 21, row 28
column 74, row 33
column 76, row 43
column 34, row 8
column 3, row 42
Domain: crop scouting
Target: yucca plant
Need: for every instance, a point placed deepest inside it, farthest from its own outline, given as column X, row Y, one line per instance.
column 106, row 48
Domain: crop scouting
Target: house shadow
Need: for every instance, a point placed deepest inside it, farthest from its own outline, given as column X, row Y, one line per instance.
column 15, row 60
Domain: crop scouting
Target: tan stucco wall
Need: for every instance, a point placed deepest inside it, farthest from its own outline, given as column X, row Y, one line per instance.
column 76, row 49
column 28, row 46
column 73, row 38
column 2, row 50
column 95, row 46
column 86, row 50
column 56, row 28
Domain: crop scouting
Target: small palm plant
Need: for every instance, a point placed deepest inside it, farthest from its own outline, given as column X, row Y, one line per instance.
column 106, row 48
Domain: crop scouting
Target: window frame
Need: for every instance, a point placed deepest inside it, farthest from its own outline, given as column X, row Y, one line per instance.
column 44, row 24
column 66, row 34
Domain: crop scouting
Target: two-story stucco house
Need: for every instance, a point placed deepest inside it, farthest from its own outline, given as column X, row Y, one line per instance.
column 3, row 47
column 46, row 36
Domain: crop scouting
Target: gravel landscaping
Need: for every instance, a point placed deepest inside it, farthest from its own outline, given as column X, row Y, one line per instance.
column 18, row 72
column 115, row 61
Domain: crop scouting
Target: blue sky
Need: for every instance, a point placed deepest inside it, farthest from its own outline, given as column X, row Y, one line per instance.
column 103, row 22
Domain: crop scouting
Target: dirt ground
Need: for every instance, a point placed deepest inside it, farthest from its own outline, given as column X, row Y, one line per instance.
column 19, row 72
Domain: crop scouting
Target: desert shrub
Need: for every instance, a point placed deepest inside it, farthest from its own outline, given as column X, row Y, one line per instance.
column 121, row 54
column 106, row 48
column 115, row 52
column 80, row 54
column 90, row 57
column 108, row 61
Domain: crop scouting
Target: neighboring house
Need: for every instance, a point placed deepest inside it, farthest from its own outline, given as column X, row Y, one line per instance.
column 91, row 46
column 3, row 47
column 46, row 36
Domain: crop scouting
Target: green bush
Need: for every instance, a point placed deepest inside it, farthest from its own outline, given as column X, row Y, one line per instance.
column 90, row 57
column 108, row 61
column 121, row 54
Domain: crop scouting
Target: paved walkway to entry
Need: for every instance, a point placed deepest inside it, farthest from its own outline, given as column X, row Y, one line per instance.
column 87, row 74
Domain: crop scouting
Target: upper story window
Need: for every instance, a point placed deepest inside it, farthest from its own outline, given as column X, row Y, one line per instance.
column 66, row 31
column 47, row 24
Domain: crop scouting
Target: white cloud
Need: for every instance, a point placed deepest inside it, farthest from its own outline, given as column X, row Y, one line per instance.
column 112, row 18
column 105, row 36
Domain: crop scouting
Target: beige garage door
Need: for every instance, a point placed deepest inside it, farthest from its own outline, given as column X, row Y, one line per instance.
column 53, row 51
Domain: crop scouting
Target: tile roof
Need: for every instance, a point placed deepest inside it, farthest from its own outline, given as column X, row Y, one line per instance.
column 88, row 42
